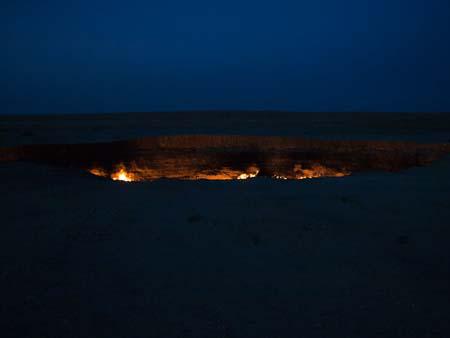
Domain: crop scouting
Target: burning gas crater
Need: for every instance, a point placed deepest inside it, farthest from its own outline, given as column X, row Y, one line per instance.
column 136, row 174
column 229, row 157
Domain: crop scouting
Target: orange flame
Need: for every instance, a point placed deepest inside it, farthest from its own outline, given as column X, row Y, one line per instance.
column 135, row 172
column 252, row 172
column 317, row 171
column 120, row 174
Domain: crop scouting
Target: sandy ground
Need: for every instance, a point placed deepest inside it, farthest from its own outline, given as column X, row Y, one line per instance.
column 362, row 256
column 429, row 127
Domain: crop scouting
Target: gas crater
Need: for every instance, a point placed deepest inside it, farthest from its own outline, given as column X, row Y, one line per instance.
column 228, row 157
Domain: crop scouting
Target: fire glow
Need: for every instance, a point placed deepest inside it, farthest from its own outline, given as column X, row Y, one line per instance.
column 135, row 174
column 120, row 174
column 123, row 175
column 229, row 157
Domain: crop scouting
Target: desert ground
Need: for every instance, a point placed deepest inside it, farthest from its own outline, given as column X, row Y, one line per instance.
column 360, row 256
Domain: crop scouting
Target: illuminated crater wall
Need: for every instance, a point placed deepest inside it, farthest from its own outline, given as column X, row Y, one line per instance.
column 229, row 157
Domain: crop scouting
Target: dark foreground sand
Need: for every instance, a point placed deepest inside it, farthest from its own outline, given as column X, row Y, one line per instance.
column 362, row 256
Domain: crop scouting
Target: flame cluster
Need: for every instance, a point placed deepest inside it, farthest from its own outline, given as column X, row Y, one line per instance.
column 317, row 171
column 251, row 172
column 140, row 173
column 122, row 175
column 119, row 174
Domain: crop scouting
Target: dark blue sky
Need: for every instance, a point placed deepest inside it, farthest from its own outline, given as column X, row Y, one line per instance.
column 317, row 55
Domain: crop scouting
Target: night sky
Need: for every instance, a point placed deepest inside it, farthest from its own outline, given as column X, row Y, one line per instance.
column 323, row 55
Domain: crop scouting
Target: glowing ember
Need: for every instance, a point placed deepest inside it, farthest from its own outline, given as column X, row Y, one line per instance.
column 98, row 172
column 279, row 177
column 252, row 173
column 317, row 171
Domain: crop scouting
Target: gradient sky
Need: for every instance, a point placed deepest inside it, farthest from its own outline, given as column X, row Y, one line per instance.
column 317, row 55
